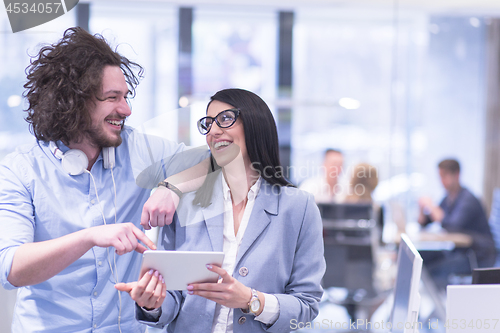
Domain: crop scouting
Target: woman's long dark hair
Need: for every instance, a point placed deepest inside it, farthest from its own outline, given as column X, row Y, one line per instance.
column 63, row 80
column 261, row 137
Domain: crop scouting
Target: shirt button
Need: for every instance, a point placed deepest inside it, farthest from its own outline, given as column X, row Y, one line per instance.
column 92, row 201
column 95, row 293
column 95, row 325
column 100, row 263
column 242, row 320
column 243, row 271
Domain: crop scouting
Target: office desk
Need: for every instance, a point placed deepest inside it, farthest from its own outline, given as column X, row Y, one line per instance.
column 431, row 239
column 472, row 308
column 438, row 242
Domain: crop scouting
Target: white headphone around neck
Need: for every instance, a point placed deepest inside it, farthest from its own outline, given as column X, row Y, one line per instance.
column 75, row 162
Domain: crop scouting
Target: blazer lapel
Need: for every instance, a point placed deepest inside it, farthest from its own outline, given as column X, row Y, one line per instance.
column 214, row 216
column 266, row 204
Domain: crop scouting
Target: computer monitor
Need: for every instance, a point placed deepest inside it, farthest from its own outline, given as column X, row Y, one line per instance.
column 404, row 314
column 346, row 211
column 486, row 275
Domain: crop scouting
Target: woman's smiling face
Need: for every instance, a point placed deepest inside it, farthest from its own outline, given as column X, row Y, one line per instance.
column 226, row 143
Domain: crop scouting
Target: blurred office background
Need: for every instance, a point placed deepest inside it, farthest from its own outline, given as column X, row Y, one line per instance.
column 398, row 84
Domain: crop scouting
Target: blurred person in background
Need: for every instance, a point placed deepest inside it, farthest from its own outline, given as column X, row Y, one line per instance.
column 364, row 180
column 326, row 187
column 460, row 212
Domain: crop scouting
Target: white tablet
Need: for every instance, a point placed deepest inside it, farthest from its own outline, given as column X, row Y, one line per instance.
column 180, row 268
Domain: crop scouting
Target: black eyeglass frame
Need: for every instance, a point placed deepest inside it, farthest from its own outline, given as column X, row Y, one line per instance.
column 236, row 115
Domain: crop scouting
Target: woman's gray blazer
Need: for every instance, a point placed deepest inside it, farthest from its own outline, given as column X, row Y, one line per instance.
column 281, row 254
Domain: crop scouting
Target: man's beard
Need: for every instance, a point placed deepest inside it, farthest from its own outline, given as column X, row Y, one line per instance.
column 99, row 138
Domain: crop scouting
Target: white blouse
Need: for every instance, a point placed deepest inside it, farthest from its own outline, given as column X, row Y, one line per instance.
column 223, row 318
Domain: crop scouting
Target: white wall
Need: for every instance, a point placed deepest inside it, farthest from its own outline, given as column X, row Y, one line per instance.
column 7, row 300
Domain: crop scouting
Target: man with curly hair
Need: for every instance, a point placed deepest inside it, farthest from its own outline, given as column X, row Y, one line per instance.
column 63, row 219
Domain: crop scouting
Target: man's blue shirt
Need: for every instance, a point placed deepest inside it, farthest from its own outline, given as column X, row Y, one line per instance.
column 39, row 201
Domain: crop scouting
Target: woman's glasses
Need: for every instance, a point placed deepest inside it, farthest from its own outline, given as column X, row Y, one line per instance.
column 224, row 119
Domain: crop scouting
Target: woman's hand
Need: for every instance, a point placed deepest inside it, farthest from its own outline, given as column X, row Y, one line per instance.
column 148, row 292
column 228, row 291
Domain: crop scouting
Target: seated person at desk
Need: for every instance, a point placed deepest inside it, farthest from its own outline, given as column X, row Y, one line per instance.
column 325, row 187
column 460, row 211
column 270, row 232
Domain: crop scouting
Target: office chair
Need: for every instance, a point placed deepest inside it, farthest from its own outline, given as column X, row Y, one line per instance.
column 494, row 222
column 351, row 239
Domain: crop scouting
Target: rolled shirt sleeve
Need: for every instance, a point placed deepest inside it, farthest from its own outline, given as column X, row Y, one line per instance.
column 16, row 215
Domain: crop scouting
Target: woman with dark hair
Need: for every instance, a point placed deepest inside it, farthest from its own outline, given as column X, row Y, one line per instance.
column 269, row 231
column 260, row 134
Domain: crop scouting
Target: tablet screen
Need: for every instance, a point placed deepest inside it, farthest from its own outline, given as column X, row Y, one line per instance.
column 180, row 268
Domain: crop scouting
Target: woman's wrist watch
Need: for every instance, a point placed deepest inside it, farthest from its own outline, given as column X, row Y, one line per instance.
column 254, row 304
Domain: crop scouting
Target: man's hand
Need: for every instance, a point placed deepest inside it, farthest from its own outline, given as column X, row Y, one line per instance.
column 38, row 261
column 148, row 292
column 425, row 203
column 159, row 209
column 428, row 208
column 124, row 237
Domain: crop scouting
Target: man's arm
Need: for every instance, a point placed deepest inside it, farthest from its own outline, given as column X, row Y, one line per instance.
column 26, row 262
column 466, row 212
column 36, row 262
column 155, row 159
column 160, row 207
column 429, row 212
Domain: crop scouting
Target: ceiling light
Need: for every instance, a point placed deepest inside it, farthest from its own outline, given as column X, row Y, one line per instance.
column 349, row 103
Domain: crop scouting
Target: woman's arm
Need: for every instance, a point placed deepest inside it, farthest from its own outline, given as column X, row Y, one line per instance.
column 228, row 292
column 149, row 292
column 300, row 301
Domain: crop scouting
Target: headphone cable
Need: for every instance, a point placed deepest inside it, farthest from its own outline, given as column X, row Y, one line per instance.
column 114, row 272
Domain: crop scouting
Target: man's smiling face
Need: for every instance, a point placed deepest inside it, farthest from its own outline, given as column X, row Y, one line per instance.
column 111, row 109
